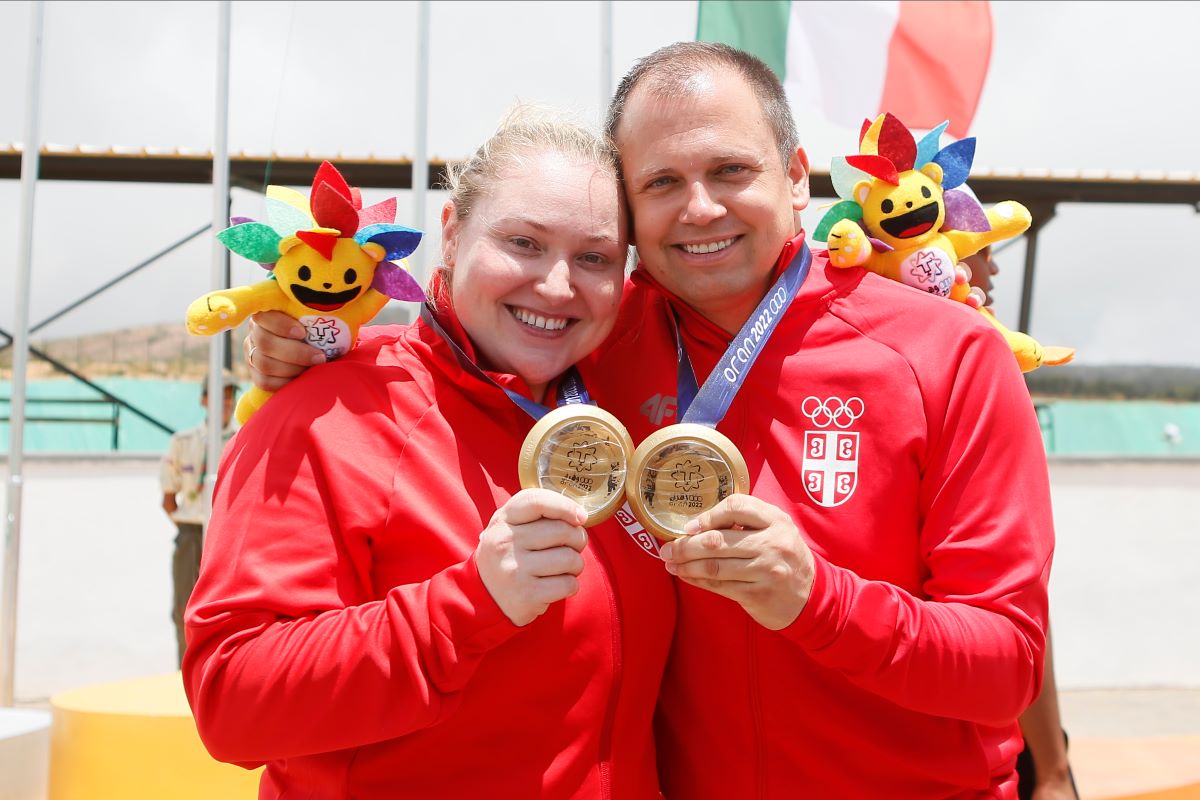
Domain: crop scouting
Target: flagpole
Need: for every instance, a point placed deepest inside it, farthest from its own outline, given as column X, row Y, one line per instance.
column 420, row 170
column 220, row 211
column 30, row 156
column 606, row 54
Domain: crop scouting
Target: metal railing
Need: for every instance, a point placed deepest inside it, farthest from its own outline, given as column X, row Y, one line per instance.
column 113, row 420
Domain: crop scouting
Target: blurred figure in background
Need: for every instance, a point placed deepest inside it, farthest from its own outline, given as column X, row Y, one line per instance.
column 1043, row 769
column 982, row 270
column 181, row 476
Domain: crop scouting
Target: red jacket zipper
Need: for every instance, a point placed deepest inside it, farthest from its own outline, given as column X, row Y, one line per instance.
column 606, row 733
column 760, row 765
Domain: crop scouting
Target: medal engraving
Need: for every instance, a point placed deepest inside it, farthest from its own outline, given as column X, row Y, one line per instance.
column 579, row 451
column 681, row 472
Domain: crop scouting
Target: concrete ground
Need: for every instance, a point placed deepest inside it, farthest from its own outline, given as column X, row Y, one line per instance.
column 95, row 592
column 1132, row 741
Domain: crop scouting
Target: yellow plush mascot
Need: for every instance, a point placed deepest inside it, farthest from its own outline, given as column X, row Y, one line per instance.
column 330, row 263
column 902, row 217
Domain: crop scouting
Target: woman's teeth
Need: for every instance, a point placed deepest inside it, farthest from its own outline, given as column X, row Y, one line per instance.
column 710, row 247
column 537, row 321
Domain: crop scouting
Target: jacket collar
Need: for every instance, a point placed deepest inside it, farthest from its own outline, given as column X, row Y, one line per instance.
column 447, row 360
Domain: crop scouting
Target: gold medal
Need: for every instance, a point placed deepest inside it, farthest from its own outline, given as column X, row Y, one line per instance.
column 680, row 472
column 580, row 451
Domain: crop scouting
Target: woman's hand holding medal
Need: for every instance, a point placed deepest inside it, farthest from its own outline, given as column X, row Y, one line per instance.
column 529, row 554
column 749, row 551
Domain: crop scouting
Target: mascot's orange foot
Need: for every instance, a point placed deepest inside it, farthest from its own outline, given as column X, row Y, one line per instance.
column 1029, row 353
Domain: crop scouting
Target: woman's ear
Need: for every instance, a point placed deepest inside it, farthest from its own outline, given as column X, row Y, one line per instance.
column 450, row 227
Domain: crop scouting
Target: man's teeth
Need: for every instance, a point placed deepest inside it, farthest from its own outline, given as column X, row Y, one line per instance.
column 711, row 247
column 529, row 318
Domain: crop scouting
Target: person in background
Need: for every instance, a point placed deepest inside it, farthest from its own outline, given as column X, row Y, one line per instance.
column 1043, row 768
column 383, row 612
column 181, row 475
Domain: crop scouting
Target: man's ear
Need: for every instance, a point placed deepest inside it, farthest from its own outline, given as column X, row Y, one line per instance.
column 797, row 171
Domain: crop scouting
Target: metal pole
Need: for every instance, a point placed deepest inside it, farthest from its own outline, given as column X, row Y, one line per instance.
column 420, row 175
column 220, row 206
column 1042, row 215
column 228, row 278
column 30, row 152
column 606, row 54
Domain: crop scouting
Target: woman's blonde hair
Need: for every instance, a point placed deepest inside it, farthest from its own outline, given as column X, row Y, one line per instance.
column 526, row 132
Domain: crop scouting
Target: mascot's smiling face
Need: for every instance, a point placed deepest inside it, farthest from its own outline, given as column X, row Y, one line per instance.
column 327, row 279
column 903, row 215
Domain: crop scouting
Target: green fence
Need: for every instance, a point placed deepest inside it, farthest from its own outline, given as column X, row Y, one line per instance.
column 1127, row 428
column 1087, row 428
column 65, row 416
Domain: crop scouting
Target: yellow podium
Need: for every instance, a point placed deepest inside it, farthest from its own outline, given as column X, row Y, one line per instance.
column 135, row 739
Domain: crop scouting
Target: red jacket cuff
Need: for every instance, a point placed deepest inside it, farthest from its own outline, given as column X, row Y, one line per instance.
column 812, row 627
column 466, row 621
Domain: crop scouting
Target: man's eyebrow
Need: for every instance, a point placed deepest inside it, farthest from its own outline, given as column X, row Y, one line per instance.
column 651, row 172
column 722, row 158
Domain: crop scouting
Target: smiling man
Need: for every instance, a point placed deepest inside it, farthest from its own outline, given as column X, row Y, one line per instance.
column 869, row 621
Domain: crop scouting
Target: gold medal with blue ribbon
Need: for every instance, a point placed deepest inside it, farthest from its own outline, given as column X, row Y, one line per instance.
column 680, row 472
column 683, row 470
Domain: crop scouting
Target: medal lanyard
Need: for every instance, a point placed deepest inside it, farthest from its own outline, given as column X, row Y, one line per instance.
column 708, row 404
column 570, row 388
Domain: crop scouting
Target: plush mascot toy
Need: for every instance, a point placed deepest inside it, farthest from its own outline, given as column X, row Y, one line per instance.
column 330, row 263
column 903, row 217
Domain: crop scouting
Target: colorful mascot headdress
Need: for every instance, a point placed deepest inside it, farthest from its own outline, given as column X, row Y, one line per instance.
column 335, row 211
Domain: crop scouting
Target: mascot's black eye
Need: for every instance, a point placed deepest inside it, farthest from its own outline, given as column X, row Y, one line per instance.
column 886, row 206
column 351, row 276
column 925, row 192
column 304, row 273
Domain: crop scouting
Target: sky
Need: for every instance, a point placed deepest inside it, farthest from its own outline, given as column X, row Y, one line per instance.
column 1107, row 86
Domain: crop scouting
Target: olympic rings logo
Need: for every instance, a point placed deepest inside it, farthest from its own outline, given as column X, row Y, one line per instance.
column 832, row 411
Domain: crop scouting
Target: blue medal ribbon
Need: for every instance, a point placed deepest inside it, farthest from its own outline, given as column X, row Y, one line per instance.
column 570, row 387
column 708, row 404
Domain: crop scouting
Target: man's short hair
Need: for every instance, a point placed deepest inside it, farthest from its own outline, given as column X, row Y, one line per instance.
column 228, row 381
column 669, row 69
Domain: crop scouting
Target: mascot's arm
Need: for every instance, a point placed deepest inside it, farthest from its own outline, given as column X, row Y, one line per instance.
column 228, row 308
column 367, row 307
column 848, row 245
column 1008, row 219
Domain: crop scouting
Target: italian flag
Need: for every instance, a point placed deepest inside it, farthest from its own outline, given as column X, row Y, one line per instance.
column 925, row 62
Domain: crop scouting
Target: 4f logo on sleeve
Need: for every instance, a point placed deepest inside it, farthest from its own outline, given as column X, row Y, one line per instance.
column 830, row 466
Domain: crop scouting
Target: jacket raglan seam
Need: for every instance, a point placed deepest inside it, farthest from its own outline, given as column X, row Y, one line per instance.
column 841, row 314
column 445, row 636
